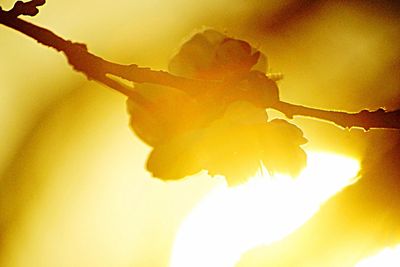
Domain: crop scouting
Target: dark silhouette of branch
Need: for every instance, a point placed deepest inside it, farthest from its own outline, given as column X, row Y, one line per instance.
column 363, row 119
column 96, row 68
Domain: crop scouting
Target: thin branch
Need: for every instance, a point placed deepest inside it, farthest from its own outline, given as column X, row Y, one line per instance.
column 364, row 119
column 96, row 68
column 28, row 8
column 91, row 65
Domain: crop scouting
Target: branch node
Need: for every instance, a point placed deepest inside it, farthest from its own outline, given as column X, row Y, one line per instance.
column 26, row 8
column 80, row 45
column 39, row 2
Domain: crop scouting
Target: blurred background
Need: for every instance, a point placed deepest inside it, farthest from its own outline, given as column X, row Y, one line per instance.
column 73, row 187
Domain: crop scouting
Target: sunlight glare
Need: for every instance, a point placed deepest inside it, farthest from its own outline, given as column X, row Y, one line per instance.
column 389, row 257
column 230, row 221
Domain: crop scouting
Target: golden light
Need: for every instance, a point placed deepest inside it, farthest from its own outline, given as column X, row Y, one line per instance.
column 230, row 221
column 389, row 257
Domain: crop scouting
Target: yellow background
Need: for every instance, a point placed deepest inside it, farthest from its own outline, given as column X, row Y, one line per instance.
column 73, row 188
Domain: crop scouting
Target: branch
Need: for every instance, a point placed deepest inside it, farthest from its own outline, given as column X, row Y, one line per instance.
column 96, row 68
column 364, row 119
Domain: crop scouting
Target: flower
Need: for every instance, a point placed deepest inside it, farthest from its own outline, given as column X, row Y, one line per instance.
column 223, row 130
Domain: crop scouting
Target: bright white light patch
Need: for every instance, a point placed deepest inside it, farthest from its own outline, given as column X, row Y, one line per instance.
column 389, row 257
column 230, row 221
